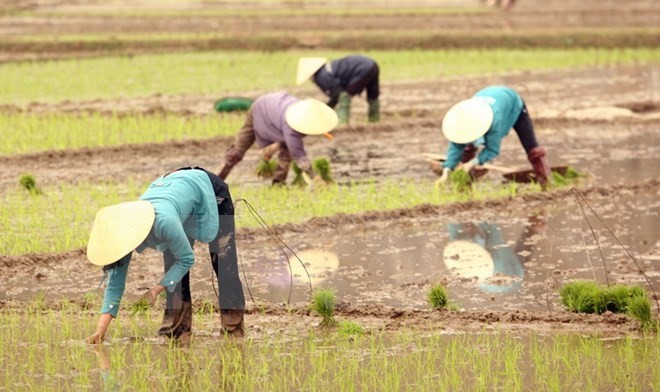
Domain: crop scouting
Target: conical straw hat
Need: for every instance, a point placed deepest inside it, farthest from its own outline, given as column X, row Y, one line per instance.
column 311, row 117
column 468, row 259
column 307, row 66
column 118, row 229
column 467, row 121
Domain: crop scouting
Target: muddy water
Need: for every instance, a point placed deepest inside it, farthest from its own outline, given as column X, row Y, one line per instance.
column 490, row 262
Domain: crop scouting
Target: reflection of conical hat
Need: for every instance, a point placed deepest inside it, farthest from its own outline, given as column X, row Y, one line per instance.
column 467, row 121
column 467, row 260
column 307, row 66
column 319, row 264
column 119, row 229
column 311, row 117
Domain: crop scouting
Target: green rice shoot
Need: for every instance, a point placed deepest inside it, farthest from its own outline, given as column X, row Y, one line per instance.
column 438, row 297
column 323, row 303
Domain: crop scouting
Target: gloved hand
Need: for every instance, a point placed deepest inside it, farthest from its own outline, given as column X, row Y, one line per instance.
column 469, row 165
column 446, row 172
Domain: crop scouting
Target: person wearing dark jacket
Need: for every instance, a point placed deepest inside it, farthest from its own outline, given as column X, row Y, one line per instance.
column 342, row 79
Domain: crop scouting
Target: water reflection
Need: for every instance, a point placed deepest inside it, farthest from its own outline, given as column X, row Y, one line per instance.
column 480, row 251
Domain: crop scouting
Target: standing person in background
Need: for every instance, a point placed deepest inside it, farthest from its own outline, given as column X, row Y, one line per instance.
column 478, row 125
column 180, row 207
column 279, row 121
column 342, row 79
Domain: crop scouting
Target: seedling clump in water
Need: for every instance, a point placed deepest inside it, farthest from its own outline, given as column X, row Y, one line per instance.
column 350, row 329
column 438, row 297
column 28, row 182
column 323, row 303
column 266, row 169
column 322, row 167
column 461, row 181
column 589, row 297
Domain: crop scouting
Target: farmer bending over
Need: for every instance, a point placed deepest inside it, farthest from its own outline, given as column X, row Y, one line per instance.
column 481, row 122
column 279, row 121
column 180, row 207
column 342, row 79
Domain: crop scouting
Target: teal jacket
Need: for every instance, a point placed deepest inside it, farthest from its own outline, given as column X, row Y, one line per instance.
column 507, row 106
column 186, row 210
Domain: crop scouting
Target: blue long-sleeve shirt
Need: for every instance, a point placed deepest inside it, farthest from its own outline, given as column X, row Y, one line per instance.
column 185, row 207
column 507, row 106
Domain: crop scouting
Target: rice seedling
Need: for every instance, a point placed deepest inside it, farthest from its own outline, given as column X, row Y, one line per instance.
column 350, row 329
column 639, row 307
column 29, row 183
column 579, row 296
column 140, row 306
column 461, row 181
column 322, row 167
column 266, row 168
column 298, row 179
column 568, row 178
column 437, row 297
column 323, row 303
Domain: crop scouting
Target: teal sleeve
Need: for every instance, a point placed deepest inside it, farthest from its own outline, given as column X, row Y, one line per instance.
column 493, row 140
column 179, row 245
column 114, row 290
column 454, row 154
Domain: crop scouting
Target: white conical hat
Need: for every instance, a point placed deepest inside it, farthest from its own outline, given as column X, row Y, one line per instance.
column 467, row 121
column 307, row 66
column 468, row 259
column 311, row 117
column 118, row 229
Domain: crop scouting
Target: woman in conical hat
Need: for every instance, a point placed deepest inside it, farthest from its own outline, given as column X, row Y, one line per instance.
column 481, row 122
column 342, row 79
column 280, row 120
column 182, row 206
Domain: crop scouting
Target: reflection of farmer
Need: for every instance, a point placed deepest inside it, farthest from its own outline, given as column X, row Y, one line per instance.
column 481, row 122
column 180, row 207
column 480, row 250
column 342, row 79
column 279, row 121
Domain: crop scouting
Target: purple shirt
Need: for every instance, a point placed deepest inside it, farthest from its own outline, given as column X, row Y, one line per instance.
column 271, row 127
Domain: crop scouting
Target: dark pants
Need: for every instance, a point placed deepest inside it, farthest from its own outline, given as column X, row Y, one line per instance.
column 369, row 82
column 224, row 259
column 525, row 130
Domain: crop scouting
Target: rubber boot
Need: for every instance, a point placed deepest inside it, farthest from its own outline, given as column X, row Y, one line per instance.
column 176, row 322
column 374, row 111
column 232, row 322
column 536, row 157
column 344, row 108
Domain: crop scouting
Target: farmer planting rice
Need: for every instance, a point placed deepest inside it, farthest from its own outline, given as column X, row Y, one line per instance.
column 278, row 122
column 180, row 207
column 475, row 128
column 342, row 79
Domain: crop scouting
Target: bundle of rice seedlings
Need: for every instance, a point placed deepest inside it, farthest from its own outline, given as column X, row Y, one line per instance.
column 298, row 179
column 568, row 178
column 461, row 181
column 322, row 167
column 29, row 183
column 438, row 297
column 580, row 296
column 140, row 306
column 266, row 169
column 640, row 309
column 323, row 303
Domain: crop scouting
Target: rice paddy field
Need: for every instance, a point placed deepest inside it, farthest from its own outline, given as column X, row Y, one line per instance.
column 100, row 98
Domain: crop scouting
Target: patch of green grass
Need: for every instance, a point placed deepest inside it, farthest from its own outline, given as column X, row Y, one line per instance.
column 437, row 297
column 28, row 133
column 31, row 224
column 323, row 303
column 230, row 72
